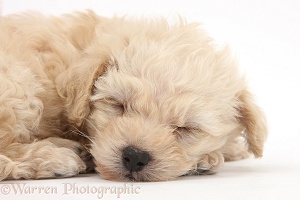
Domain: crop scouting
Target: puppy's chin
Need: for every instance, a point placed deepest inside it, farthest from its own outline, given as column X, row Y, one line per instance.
column 119, row 173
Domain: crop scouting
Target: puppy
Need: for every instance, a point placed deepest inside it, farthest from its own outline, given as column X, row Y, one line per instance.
column 134, row 99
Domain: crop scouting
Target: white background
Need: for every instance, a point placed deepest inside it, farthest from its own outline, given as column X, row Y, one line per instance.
column 265, row 37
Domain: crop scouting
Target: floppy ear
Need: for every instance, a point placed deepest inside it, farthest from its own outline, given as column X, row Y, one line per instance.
column 254, row 122
column 75, row 86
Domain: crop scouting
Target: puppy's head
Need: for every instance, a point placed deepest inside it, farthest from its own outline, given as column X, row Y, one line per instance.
column 159, row 97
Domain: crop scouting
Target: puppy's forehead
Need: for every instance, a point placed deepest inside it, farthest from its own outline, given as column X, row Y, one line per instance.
column 176, row 73
column 162, row 96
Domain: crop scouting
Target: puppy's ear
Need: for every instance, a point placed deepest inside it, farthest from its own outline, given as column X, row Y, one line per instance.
column 254, row 123
column 75, row 86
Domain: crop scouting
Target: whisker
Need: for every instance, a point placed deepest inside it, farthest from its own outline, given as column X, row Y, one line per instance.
column 87, row 120
column 80, row 133
column 97, row 130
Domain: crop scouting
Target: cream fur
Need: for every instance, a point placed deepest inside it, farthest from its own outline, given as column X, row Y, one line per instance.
column 82, row 83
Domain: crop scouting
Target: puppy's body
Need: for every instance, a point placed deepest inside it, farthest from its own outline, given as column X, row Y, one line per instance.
column 156, row 101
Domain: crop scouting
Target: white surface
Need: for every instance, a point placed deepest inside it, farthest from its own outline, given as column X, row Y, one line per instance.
column 265, row 37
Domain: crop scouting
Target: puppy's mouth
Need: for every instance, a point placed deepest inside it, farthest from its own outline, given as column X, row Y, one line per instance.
column 130, row 177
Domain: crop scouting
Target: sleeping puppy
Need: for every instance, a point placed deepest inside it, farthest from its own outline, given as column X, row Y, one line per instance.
column 134, row 99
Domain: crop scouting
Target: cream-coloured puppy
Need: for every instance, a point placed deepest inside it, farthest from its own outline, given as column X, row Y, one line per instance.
column 137, row 99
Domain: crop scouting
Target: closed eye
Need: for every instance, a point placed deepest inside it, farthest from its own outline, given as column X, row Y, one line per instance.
column 185, row 132
column 115, row 104
column 181, row 131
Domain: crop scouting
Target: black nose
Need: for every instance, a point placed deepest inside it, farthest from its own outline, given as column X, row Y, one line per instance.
column 134, row 160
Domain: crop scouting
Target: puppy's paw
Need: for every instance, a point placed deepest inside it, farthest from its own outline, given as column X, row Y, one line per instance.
column 49, row 162
column 40, row 159
column 80, row 150
column 209, row 164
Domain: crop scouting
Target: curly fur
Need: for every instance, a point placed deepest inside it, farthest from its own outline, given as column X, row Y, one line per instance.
column 81, row 83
